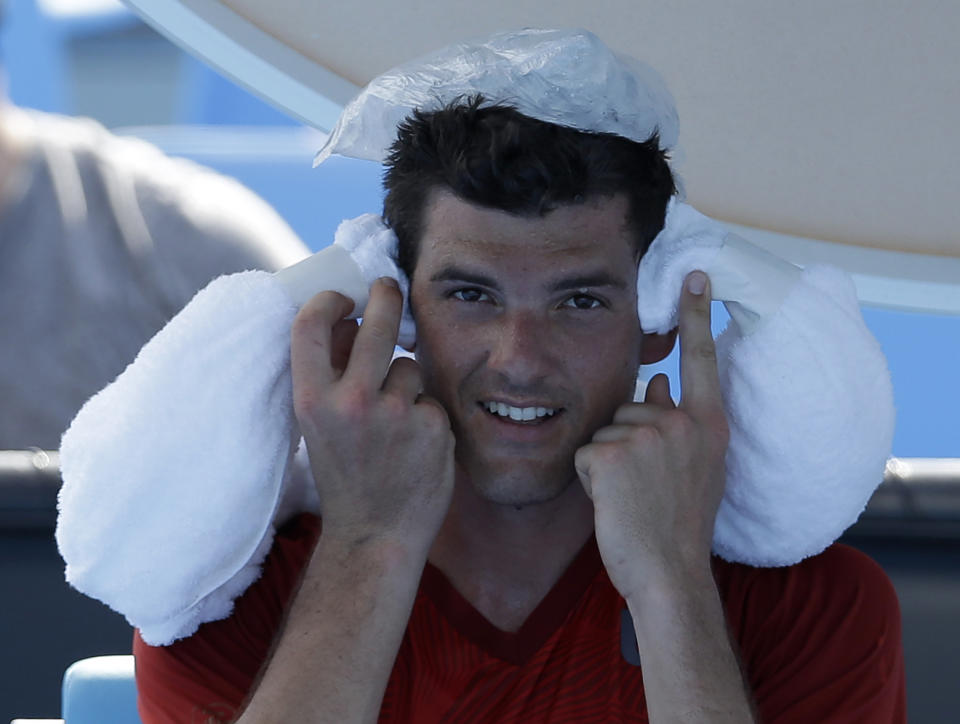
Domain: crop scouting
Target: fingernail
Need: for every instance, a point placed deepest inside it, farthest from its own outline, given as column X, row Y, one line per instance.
column 696, row 282
column 390, row 282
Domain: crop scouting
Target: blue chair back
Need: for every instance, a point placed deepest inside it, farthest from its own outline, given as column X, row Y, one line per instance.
column 100, row 690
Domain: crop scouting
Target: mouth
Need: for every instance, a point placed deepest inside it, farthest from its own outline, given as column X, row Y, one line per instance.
column 527, row 415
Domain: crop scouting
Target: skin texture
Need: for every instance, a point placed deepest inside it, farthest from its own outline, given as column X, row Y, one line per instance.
column 502, row 315
column 533, row 312
column 520, row 338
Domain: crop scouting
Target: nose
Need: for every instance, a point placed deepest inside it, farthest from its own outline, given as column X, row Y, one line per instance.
column 520, row 348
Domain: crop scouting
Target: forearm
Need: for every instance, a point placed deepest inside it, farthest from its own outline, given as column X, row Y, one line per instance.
column 337, row 648
column 691, row 672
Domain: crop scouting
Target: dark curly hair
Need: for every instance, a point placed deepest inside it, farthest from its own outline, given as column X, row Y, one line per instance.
column 494, row 156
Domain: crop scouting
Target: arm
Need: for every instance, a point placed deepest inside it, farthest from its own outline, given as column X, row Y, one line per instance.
column 383, row 460
column 691, row 672
column 656, row 479
column 337, row 649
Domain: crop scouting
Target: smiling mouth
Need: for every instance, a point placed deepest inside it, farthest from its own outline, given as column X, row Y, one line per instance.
column 520, row 415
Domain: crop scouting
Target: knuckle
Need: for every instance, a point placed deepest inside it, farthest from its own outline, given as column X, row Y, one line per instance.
column 379, row 329
column 321, row 308
column 705, row 351
column 720, row 428
column 433, row 414
column 354, row 404
column 583, row 463
column 681, row 429
column 304, row 324
column 626, row 412
column 699, row 309
column 449, row 438
column 307, row 405
column 395, row 407
column 600, row 435
column 673, row 421
column 611, row 455
column 645, row 436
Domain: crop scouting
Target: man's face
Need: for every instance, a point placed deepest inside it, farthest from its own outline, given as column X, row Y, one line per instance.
column 526, row 317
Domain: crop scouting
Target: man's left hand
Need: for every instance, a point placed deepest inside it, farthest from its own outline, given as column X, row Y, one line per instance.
column 656, row 474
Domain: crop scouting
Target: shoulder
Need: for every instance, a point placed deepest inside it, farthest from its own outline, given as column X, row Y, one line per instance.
column 838, row 572
column 179, row 199
column 840, row 575
column 819, row 640
column 824, row 591
column 847, row 571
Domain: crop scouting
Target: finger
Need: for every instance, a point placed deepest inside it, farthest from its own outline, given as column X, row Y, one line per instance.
column 428, row 410
column 404, row 379
column 699, row 379
column 637, row 413
column 343, row 334
column 312, row 346
column 373, row 348
column 613, row 433
column 658, row 392
column 581, row 462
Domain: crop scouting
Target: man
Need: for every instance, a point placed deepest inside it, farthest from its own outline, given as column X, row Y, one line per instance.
column 506, row 537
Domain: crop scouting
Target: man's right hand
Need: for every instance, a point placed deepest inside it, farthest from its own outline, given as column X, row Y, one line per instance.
column 382, row 457
column 381, row 453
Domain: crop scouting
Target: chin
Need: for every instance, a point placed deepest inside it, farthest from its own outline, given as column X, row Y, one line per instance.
column 519, row 486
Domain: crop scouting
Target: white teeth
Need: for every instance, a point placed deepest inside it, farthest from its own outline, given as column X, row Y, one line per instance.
column 519, row 414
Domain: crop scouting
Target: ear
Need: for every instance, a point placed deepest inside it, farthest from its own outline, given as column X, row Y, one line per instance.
column 654, row 347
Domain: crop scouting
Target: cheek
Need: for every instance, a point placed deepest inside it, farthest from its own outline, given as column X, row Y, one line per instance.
column 613, row 345
column 609, row 368
column 440, row 352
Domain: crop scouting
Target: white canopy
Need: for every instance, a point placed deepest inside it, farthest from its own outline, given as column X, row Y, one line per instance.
column 804, row 121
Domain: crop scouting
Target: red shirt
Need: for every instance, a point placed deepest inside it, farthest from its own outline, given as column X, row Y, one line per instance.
column 819, row 642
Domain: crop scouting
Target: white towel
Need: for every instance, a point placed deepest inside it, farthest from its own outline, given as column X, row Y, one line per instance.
column 810, row 406
column 169, row 487
column 174, row 474
column 805, row 386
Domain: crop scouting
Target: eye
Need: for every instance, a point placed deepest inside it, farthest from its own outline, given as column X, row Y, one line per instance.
column 470, row 294
column 582, row 301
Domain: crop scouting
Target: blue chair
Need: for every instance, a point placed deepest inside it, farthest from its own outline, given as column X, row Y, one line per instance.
column 98, row 690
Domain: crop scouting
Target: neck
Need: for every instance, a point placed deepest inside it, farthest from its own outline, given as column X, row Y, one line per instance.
column 503, row 558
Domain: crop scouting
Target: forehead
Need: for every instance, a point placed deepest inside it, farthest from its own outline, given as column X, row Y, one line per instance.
column 595, row 231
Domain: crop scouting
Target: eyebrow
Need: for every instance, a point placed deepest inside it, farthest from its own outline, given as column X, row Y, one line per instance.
column 590, row 279
column 579, row 281
column 452, row 273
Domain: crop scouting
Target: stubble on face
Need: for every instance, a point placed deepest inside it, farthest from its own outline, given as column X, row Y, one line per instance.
column 510, row 330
